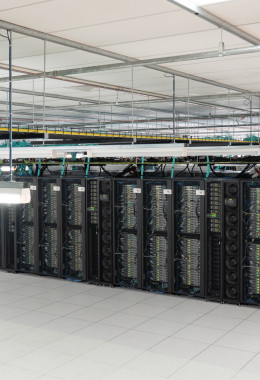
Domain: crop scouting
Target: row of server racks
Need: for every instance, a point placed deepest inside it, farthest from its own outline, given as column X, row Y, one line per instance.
column 186, row 236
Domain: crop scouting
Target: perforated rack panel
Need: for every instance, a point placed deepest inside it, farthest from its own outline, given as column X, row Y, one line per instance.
column 27, row 230
column 188, row 237
column 73, row 229
column 250, row 268
column 157, row 204
column 127, row 228
column 49, row 226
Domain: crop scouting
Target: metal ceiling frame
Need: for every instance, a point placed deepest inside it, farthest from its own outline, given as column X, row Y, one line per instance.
column 84, row 47
column 130, row 62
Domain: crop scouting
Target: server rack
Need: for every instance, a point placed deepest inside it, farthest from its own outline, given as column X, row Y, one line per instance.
column 49, row 226
column 127, row 248
column 8, row 233
column 250, row 242
column 188, row 224
column 214, row 240
column 222, row 240
column 99, row 222
column 157, row 258
column 2, row 248
column 26, row 230
column 73, row 249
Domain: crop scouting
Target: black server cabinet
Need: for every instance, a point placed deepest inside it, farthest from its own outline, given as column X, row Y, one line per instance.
column 49, row 226
column 2, row 248
column 73, row 248
column 250, row 242
column 222, row 240
column 26, row 251
column 188, row 225
column 99, row 222
column 214, row 240
column 128, row 232
column 8, row 213
column 157, row 206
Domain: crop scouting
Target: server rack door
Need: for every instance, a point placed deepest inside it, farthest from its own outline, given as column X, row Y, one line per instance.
column 157, row 196
column 250, row 242
column 99, row 230
column 188, row 237
column 231, row 246
column 106, row 233
column 49, row 226
column 214, row 226
column 9, row 241
column 92, row 230
column 128, row 232
column 26, row 251
column 2, row 247
column 73, row 229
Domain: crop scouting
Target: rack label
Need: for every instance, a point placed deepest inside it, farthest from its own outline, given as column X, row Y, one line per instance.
column 56, row 188
column 200, row 192
column 81, row 189
column 32, row 187
column 167, row 191
column 137, row 190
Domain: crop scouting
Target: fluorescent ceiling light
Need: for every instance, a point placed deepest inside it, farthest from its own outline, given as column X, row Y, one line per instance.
column 6, row 168
column 14, row 193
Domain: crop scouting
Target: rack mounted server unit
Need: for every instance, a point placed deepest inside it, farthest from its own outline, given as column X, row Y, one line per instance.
column 128, row 233
column 99, row 194
column 19, row 224
column 8, row 236
column 157, row 257
column 188, row 223
column 222, row 240
column 73, row 250
column 49, row 226
column 250, row 243
column 26, row 227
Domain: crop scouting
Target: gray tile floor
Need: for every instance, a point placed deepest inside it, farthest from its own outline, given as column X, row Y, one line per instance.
column 52, row 329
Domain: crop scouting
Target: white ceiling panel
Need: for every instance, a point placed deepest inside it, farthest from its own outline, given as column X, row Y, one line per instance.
column 138, row 29
column 66, row 14
column 62, row 60
column 184, row 44
column 253, row 29
column 240, row 12
column 220, row 64
column 12, row 4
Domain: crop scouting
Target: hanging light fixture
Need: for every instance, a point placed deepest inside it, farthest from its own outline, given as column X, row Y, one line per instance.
column 14, row 193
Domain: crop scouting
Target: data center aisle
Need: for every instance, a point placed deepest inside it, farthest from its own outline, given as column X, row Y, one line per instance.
column 54, row 329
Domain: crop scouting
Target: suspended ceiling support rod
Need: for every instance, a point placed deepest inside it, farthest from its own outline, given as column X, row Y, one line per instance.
column 166, row 70
column 84, row 47
column 9, row 36
column 93, row 103
column 211, row 18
